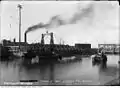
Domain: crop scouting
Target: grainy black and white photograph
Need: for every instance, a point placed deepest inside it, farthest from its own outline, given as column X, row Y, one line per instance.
column 59, row 43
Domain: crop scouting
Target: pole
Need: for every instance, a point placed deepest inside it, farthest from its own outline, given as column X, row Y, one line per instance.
column 20, row 7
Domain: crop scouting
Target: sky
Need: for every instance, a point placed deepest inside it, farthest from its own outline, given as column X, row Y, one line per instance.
column 74, row 22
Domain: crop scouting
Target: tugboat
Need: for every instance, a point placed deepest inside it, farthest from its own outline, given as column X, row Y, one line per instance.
column 100, row 57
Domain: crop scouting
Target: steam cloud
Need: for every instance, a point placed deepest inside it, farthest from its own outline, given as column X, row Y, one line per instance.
column 58, row 20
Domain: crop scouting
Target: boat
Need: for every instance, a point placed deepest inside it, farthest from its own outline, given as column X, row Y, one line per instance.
column 97, row 58
column 16, row 51
column 29, row 54
column 119, row 61
column 46, row 57
column 5, row 53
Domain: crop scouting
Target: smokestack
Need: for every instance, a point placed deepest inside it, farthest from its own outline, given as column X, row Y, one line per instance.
column 42, row 39
column 25, row 37
column 14, row 40
column 59, row 20
column 52, row 40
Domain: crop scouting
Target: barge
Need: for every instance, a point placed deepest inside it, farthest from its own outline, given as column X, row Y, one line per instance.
column 5, row 53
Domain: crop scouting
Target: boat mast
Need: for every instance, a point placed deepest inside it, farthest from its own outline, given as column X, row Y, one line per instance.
column 19, row 7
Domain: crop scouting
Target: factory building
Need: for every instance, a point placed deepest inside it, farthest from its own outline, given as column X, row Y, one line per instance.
column 83, row 46
column 110, row 48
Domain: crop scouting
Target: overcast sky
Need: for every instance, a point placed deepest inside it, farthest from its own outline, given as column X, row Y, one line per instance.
column 94, row 22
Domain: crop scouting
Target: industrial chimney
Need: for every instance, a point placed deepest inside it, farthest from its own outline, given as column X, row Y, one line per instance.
column 52, row 39
column 25, row 37
column 42, row 39
column 14, row 40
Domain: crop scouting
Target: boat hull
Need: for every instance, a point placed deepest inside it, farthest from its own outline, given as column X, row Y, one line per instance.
column 5, row 53
column 99, row 59
column 41, row 59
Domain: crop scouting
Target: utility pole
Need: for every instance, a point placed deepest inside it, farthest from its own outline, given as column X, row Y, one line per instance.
column 19, row 7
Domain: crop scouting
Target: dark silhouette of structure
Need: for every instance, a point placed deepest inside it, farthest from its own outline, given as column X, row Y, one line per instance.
column 42, row 39
column 20, row 7
column 48, row 34
column 83, row 46
column 110, row 48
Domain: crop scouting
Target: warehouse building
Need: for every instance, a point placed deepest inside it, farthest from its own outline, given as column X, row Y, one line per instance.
column 83, row 46
column 110, row 48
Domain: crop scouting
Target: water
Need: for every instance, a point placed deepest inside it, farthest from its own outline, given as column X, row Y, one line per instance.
column 81, row 72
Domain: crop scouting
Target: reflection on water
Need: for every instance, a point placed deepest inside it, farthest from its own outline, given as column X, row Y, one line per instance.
column 82, row 70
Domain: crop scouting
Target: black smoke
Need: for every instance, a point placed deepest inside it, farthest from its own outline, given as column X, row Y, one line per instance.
column 58, row 20
column 35, row 27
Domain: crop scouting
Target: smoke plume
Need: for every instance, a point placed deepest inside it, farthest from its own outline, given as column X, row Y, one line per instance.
column 81, row 13
column 35, row 27
column 58, row 20
column 55, row 21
